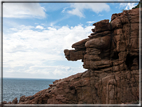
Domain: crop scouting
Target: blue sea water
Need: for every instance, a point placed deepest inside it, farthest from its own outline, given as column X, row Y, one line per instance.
column 13, row 87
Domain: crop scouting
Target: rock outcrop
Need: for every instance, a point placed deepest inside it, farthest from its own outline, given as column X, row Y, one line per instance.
column 111, row 55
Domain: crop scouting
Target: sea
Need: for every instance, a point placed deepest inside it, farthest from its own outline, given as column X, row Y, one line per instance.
column 17, row 87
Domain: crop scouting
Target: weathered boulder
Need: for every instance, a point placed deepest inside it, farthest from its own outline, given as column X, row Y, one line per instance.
column 74, row 55
column 103, row 25
column 15, row 101
column 99, row 43
column 80, row 45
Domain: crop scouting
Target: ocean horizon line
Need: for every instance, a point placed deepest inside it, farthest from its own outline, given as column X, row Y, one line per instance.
column 29, row 78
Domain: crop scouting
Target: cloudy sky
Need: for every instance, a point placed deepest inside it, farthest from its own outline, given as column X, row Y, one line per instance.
column 36, row 34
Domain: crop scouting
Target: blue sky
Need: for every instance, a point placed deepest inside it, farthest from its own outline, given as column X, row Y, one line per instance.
column 36, row 34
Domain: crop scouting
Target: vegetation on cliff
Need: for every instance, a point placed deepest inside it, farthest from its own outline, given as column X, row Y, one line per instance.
column 139, row 4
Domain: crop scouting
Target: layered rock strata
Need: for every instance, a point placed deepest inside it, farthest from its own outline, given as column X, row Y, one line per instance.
column 111, row 55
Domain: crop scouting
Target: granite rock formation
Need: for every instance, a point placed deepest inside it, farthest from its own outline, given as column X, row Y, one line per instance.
column 111, row 55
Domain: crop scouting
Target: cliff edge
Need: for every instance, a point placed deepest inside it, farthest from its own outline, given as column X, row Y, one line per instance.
column 111, row 55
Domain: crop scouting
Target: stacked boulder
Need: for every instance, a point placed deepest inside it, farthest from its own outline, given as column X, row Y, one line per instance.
column 98, row 47
column 78, row 53
column 111, row 43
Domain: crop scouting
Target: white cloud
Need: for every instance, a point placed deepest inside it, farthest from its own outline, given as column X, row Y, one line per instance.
column 77, row 12
column 39, row 27
column 41, row 53
column 64, row 9
column 90, row 22
column 127, row 6
column 95, row 7
column 22, row 10
column 50, row 72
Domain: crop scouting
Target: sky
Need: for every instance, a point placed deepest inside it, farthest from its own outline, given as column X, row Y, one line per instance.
column 36, row 34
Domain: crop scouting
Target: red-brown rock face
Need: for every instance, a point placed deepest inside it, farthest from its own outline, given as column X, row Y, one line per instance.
column 111, row 55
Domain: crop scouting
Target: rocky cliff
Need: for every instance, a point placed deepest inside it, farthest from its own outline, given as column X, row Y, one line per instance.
column 111, row 55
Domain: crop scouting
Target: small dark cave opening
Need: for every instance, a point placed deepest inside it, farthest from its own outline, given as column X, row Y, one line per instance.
column 129, row 61
column 115, row 55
